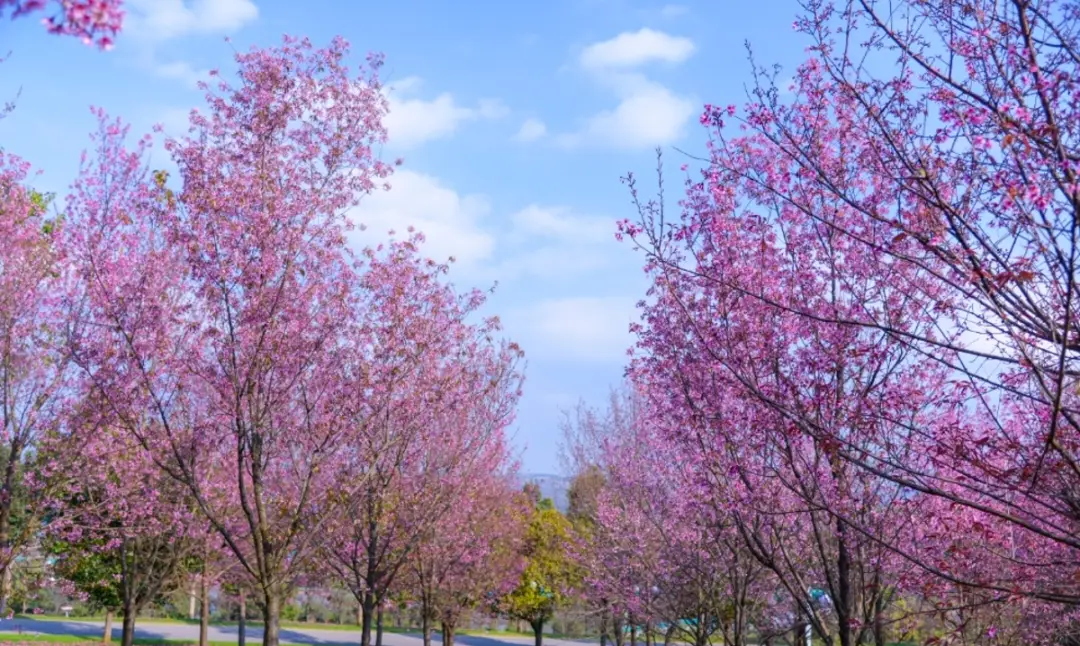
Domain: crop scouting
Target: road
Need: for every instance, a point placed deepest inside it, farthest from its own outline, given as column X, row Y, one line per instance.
column 188, row 632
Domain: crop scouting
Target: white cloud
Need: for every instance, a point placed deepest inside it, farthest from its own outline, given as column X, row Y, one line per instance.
column 553, row 242
column 413, row 121
column 648, row 114
column 531, row 130
column 630, row 49
column 651, row 118
column 452, row 224
column 539, row 242
column 152, row 22
column 492, row 109
column 181, row 71
column 560, row 223
column 591, row 328
column 551, row 262
column 158, row 20
column 674, row 10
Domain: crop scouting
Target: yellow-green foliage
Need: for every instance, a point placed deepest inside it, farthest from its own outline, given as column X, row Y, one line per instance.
column 549, row 574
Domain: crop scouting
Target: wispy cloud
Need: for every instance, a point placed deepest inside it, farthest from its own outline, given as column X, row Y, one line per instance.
column 648, row 113
column 635, row 48
column 531, row 130
column 413, row 121
column 152, row 23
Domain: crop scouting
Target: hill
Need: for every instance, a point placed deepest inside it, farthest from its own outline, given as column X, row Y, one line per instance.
column 551, row 486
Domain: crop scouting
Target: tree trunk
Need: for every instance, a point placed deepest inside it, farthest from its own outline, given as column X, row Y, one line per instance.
column 127, row 637
column 359, row 613
column 6, row 496
column 633, row 634
column 5, row 579
column 843, row 576
column 204, row 612
column 367, row 613
column 425, row 627
column 604, row 626
column 378, row 627
column 241, row 627
column 106, row 635
column 191, row 602
column 538, row 631
column 669, row 634
column 271, row 619
column 804, row 632
column 879, row 620
column 447, row 634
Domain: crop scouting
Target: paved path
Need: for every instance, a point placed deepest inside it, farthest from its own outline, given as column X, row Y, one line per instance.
column 187, row 632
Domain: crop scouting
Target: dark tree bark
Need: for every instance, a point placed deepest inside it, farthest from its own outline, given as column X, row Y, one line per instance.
column 604, row 624
column 448, row 633
column 241, row 627
column 538, row 631
column 367, row 615
column 204, row 611
column 127, row 637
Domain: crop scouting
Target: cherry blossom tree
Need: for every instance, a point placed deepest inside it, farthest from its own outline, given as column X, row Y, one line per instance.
column 94, row 21
column 430, row 397
column 660, row 550
column 34, row 371
column 121, row 530
column 471, row 556
column 212, row 319
column 872, row 281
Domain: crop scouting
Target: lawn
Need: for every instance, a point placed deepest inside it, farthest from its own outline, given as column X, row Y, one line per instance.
column 148, row 621
column 15, row 638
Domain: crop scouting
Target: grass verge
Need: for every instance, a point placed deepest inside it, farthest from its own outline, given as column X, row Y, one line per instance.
column 15, row 638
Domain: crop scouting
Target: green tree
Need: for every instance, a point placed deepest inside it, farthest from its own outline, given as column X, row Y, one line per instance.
column 92, row 570
column 582, row 495
column 549, row 574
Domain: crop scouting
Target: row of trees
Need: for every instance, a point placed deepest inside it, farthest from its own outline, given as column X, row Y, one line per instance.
column 853, row 404
column 200, row 382
column 852, row 409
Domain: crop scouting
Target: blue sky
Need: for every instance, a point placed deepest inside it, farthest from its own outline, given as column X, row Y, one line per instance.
column 515, row 119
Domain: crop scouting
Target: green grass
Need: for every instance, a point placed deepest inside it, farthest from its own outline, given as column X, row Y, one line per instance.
column 148, row 621
column 508, row 633
column 151, row 621
column 116, row 619
column 50, row 639
column 76, row 639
